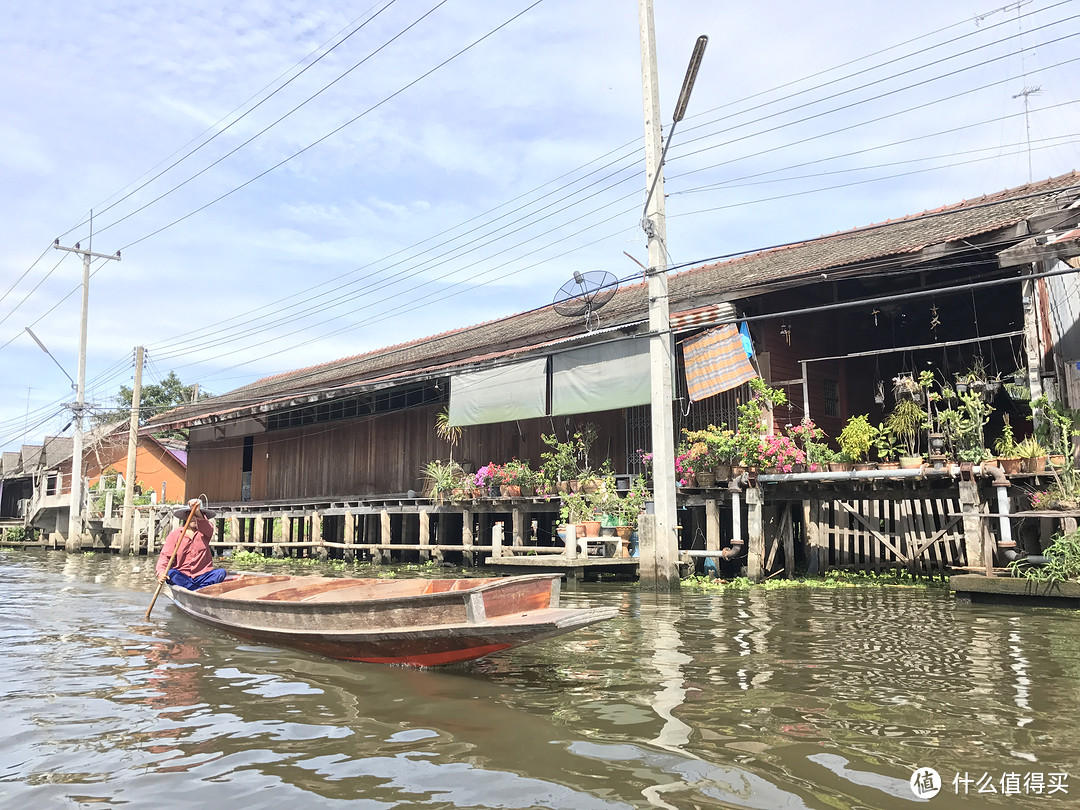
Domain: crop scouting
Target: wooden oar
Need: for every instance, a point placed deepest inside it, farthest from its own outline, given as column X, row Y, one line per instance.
column 172, row 559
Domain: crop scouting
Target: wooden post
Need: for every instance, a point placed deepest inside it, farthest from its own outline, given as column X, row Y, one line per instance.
column 257, row 535
column 973, row 540
column 384, row 536
column 497, row 539
column 518, row 517
column 467, row 535
column 425, row 536
column 151, row 531
column 755, row 535
column 350, row 537
column 787, row 534
column 810, row 512
column 441, row 531
column 286, row 534
column 234, row 532
column 317, row 535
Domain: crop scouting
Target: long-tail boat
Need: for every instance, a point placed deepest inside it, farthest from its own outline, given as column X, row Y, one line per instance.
column 413, row 622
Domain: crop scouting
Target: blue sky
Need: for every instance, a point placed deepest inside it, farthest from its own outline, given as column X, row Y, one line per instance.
column 360, row 176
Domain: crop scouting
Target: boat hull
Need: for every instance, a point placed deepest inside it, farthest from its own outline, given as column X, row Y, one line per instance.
column 409, row 622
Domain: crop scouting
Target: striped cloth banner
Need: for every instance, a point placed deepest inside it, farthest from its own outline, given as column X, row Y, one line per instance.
column 715, row 361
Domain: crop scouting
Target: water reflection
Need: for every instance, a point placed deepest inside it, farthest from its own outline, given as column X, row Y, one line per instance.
column 787, row 699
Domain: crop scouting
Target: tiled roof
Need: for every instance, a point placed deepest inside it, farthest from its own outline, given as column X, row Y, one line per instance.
column 11, row 465
column 57, row 449
column 686, row 290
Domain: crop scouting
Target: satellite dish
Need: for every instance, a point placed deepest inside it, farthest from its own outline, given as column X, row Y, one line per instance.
column 584, row 294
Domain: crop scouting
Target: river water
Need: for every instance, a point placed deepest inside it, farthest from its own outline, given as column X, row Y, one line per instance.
column 746, row 699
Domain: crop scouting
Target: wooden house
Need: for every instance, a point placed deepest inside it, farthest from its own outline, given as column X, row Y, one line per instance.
column 833, row 321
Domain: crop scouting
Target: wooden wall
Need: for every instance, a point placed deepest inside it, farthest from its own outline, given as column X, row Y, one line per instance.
column 377, row 455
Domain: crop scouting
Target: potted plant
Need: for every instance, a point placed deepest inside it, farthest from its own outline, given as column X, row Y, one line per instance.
column 857, row 438
column 1005, row 447
column 1033, row 455
column 579, row 510
column 488, row 479
column 819, row 456
column 887, row 448
column 780, row 453
column 517, row 479
column 560, row 464
column 441, row 480
column 905, row 421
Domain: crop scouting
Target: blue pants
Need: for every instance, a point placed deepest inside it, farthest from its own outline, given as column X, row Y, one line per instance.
column 182, row 580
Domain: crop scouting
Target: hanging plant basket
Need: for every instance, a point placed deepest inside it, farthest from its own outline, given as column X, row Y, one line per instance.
column 905, row 386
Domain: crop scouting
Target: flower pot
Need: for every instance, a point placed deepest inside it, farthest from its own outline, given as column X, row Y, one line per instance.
column 1057, row 460
column 510, row 491
column 624, row 532
column 911, row 462
column 563, row 487
column 888, row 465
column 722, row 472
column 1011, row 466
column 494, row 490
column 841, row 466
column 592, row 528
column 705, row 479
column 865, row 465
column 1035, row 465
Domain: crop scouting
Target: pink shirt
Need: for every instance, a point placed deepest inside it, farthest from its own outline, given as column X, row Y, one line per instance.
column 194, row 556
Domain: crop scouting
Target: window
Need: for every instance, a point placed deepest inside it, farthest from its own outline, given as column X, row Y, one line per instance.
column 832, row 398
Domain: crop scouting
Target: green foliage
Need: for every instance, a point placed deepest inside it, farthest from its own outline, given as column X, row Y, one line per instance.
column 886, row 445
column 857, row 437
column 905, row 422
column 1063, row 565
column 831, row 580
column 451, row 434
column 441, row 479
column 154, row 398
column 1005, row 444
column 1030, row 448
column 623, row 509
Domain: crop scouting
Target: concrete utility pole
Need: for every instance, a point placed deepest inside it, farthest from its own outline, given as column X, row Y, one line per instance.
column 75, row 518
column 659, row 558
column 127, row 535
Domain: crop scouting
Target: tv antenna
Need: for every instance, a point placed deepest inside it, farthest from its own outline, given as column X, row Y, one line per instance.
column 584, row 294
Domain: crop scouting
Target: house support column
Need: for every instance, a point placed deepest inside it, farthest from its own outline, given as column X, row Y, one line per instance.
column 350, row 537
column 467, row 539
column 755, row 535
column 425, row 536
column 973, row 529
column 384, row 537
column 712, row 529
column 258, row 533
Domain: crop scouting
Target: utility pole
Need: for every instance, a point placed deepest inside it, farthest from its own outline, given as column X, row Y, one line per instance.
column 75, row 518
column 659, row 569
column 127, row 525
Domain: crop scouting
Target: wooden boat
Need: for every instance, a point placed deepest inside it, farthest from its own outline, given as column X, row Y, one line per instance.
column 416, row 622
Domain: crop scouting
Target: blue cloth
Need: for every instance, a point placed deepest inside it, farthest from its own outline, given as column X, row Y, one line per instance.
column 747, row 343
column 182, row 580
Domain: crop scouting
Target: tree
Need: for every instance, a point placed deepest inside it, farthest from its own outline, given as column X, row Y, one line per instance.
column 154, row 398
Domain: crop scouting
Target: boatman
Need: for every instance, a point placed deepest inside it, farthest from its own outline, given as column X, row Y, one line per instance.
column 193, row 567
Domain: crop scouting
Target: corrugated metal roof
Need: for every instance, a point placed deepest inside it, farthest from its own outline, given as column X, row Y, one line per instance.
column 841, row 252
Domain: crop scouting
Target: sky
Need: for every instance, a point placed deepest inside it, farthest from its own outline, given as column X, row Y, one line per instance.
column 294, row 182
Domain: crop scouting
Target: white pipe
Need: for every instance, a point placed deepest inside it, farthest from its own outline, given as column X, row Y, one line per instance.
column 925, row 470
column 1003, row 517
